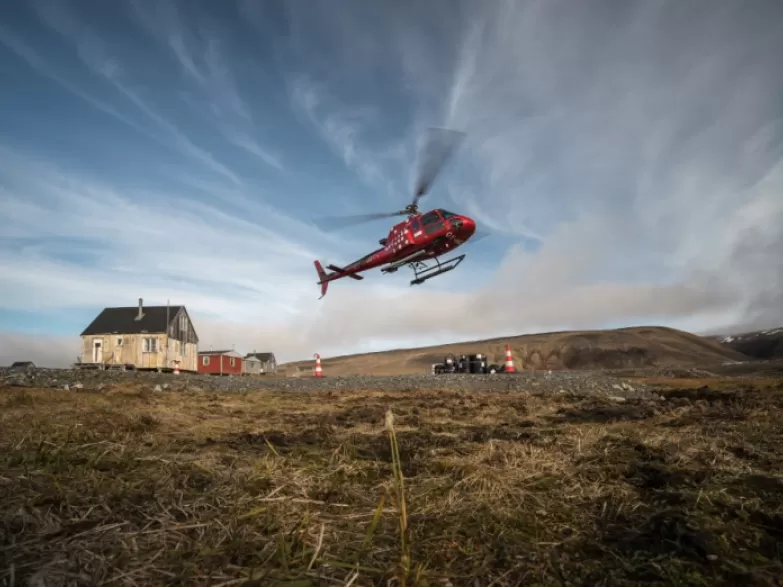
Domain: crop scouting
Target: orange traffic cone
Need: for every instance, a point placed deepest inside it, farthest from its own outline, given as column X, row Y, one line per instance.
column 318, row 371
column 509, row 361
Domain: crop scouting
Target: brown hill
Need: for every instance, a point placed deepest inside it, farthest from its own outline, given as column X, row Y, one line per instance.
column 760, row 344
column 640, row 346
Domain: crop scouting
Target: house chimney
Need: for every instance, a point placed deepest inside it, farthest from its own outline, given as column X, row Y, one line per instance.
column 140, row 315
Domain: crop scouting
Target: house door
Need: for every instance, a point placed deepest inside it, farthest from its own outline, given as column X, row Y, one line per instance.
column 97, row 351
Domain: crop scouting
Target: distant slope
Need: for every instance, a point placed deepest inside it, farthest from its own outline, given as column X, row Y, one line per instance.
column 760, row 344
column 596, row 349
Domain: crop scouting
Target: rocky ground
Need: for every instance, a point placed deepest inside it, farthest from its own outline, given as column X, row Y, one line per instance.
column 602, row 483
column 541, row 383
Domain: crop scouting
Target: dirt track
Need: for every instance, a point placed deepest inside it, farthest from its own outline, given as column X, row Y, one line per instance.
column 194, row 488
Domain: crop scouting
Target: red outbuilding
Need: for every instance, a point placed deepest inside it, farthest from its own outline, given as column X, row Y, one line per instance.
column 220, row 363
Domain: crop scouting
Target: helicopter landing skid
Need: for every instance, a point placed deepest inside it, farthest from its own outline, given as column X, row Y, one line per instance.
column 423, row 272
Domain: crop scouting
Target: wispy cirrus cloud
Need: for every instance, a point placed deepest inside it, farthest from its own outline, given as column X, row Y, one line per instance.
column 94, row 53
column 14, row 43
column 340, row 126
column 158, row 241
column 221, row 100
column 630, row 139
column 199, row 54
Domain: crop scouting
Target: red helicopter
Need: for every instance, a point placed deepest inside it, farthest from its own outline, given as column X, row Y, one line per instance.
column 419, row 238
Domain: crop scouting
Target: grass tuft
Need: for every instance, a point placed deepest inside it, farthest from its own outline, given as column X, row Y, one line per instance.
column 451, row 488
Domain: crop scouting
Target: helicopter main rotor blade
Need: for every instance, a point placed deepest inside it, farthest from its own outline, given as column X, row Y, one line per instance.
column 439, row 145
column 330, row 223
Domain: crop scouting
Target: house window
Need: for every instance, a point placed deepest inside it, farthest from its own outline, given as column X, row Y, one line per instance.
column 233, row 360
column 205, row 361
column 149, row 345
column 119, row 341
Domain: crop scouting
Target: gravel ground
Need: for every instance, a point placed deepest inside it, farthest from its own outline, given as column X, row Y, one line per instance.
column 572, row 383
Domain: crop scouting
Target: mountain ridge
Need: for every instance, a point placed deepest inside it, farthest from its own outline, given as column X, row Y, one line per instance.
column 755, row 344
column 632, row 346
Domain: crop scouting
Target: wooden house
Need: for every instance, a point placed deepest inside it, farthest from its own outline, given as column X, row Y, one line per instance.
column 268, row 362
column 251, row 365
column 152, row 337
column 220, row 363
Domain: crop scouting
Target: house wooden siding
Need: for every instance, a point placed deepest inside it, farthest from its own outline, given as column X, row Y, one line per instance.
column 251, row 366
column 161, row 337
column 181, row 328
column 130, row 349
column 220, row 363
column 268, row 361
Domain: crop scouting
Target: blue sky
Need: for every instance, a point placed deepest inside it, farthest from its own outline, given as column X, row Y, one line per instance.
column 627, row 163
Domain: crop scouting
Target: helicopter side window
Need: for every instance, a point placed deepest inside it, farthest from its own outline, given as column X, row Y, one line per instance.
column 446, row 214
column 433, row 222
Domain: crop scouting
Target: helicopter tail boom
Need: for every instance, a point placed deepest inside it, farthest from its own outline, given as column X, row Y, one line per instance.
column 324, row 278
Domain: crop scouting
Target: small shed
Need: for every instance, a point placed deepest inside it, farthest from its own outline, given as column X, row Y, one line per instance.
column 23, row 366
column 220, row 363
column 268, row 361
column 252, row 366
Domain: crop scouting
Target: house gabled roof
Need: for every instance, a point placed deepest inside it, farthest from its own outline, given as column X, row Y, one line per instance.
column 262, row 356
column 123, row 320
column 228, row 352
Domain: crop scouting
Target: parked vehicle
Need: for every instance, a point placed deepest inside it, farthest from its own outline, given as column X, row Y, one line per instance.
column 475, row 363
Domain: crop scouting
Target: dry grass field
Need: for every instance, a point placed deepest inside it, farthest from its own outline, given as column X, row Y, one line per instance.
column 590, row 349
column 131, row 487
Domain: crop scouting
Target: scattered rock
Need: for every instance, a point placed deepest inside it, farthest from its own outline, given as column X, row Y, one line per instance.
column 574, row 384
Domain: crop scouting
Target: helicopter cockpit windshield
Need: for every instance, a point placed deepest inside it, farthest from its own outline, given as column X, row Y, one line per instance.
column 453, row 219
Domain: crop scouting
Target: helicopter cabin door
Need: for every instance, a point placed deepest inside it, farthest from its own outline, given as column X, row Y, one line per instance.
column 416, row 231
column 432, row 223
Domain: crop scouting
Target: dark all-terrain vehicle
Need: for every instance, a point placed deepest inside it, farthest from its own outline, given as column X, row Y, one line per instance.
column 476, row 363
